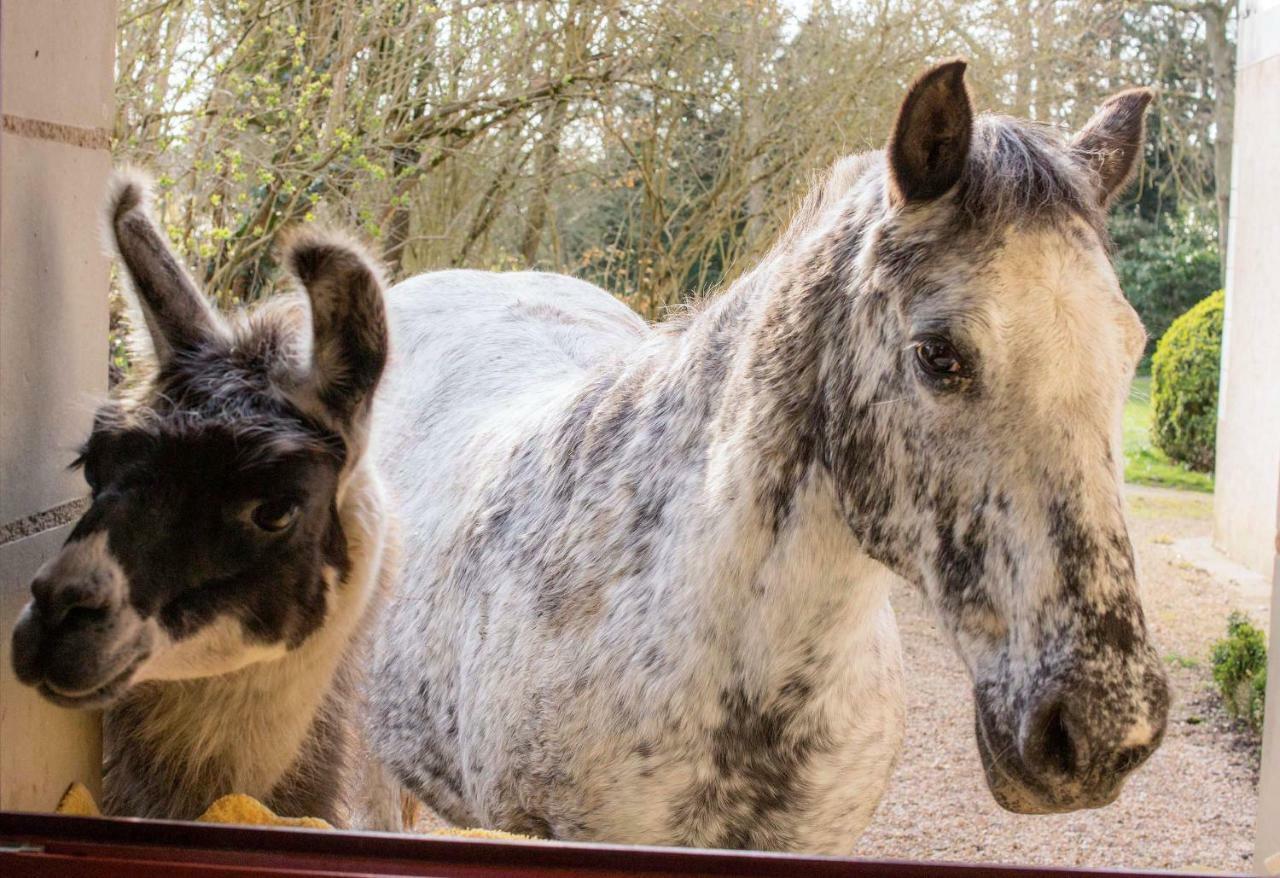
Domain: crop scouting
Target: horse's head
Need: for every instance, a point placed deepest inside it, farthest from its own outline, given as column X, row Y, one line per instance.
column 213, row 539
column 972, row 394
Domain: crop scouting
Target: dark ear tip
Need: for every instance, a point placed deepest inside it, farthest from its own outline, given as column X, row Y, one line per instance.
column 1135, row 100
column 127, row 190
column 943, row 81
column 309, row 252
column 952, row 70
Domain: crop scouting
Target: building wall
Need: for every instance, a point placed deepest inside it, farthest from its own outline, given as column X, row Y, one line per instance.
column 1247, row 498
column 56, row 60
column 1248, row 465
column 1268, row 844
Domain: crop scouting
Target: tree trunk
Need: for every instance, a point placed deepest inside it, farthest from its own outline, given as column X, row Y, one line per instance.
column 545, row 165
column 396, row 235
column 1222, row 69
column 1025, row 38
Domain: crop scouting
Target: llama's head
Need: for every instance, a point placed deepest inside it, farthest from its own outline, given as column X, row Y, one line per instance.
column 214, row 537
column 978, row 351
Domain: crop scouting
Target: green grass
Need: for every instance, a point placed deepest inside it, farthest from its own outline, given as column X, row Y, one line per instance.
column 1144, row 464
column 1182, row 661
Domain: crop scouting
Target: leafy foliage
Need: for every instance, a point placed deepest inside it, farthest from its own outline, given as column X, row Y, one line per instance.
column 1164, row 267
column 652, row 147
column 1240, row 670
column 1184, row 372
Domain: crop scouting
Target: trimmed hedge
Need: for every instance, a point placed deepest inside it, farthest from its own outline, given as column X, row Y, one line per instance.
column 1184, row 385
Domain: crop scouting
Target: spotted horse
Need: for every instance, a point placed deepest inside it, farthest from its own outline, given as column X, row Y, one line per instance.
column 646, row 579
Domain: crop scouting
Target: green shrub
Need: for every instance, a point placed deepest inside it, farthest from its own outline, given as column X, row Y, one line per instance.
column 1184, row 385
column 1240, row 670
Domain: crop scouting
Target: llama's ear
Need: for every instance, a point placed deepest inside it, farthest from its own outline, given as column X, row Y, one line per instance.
column 1111, row 142
column 178, row 317
column 348, row 317
column 930, row 141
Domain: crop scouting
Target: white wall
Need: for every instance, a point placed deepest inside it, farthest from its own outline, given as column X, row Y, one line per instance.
column 56, row 60
column 1268, row 844
column 1247, row 499
column 1248, row 464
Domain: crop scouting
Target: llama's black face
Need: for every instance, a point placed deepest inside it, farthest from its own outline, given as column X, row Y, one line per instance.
column 989, row 370
column 210, row 544
column 214, row 538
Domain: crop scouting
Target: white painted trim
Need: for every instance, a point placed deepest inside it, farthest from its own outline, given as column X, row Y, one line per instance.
column 1259, row 33
column 1267, row 844
column 1259, row 40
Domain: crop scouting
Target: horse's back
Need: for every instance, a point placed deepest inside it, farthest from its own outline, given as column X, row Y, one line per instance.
column 473, row 352
column 476, row 357
column 499, row 333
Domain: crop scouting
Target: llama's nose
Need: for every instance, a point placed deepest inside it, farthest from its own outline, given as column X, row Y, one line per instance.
column 59, row 606
column 60, row 602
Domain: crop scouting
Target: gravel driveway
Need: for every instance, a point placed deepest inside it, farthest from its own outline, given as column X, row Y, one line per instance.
column 1191, row 805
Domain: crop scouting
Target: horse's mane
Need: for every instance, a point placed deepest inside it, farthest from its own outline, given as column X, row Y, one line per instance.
column 1018, row 173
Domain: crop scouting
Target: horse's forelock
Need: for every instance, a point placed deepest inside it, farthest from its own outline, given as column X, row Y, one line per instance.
column 1020, row 173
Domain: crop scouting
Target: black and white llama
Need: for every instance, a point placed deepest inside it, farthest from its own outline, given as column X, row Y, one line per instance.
column 216, row 595
column 646, row 572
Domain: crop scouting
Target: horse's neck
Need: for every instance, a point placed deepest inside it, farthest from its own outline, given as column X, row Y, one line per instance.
column 241, row 732
column 803, row 597
column 763, row 554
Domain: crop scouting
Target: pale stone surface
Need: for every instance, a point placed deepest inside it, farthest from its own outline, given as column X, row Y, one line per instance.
column 1248, row 465
column 53, row 326
column 1253, row 590
column 1247, row 508
column 56, row 61
column 42, row 748
column 58, row 58
column 1268, row 845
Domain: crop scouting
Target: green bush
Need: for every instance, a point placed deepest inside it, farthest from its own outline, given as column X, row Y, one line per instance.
column 1240, row 670
column 1164, row 267
column 1184, row 385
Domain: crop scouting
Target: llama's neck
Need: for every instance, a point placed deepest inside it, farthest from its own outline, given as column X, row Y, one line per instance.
column 187, row 742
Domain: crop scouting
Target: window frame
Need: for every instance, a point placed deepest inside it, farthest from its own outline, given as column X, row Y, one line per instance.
column 68, row 847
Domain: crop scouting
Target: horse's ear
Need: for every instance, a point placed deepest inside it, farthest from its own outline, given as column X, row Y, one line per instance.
column 178, row 317
column 348, row 317
column 930, row 141
column 1111, row 142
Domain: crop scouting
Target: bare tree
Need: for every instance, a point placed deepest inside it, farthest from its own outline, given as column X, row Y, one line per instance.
column 651, row 146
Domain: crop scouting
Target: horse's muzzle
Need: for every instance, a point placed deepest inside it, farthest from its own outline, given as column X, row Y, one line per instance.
column 1063, row 757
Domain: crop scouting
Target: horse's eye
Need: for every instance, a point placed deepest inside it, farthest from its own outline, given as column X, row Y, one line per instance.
column 274, row 516
column 939, row 358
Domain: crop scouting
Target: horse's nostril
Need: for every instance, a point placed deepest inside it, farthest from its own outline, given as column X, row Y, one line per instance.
column 1057, row 747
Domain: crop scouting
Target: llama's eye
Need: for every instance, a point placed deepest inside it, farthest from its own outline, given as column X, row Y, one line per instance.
column 938, row 358
column 274, row 516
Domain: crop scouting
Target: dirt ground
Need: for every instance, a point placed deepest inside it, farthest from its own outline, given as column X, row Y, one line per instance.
column 1191, row 805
